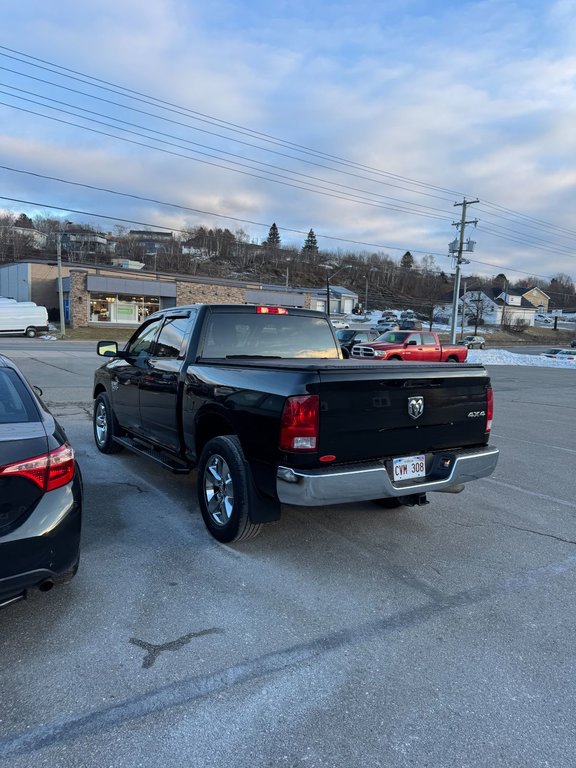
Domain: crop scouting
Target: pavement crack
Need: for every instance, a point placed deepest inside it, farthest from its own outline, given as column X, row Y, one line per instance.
column 538, row 533
column 153, row 650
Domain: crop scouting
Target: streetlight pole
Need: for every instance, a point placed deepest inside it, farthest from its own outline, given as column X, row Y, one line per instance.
column 60, row 291
column 367, row 275
column 328, row 278
column 287, row 268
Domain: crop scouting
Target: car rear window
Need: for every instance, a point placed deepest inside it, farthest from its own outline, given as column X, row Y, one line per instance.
column 16, row 402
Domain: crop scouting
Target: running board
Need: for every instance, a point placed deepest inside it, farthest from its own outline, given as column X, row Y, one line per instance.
column 173, row 464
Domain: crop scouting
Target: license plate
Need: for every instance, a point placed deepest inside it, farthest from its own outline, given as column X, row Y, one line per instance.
column 409, row 467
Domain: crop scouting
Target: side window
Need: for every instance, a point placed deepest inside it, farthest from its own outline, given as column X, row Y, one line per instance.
column 173, row 337
column 415, row 338
column 428, row 338
column 142, row 343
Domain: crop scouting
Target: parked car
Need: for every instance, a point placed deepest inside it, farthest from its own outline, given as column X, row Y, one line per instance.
column 348, row 337
column 473, row 341
column 40, row 492
column 560, row 354
column 573, row 343
column 410, row 325
column 553, row 352
column 382, row 326
column 338, row 324
column 543, row 319
column 566, row 354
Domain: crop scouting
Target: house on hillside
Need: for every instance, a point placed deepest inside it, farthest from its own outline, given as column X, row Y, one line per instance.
column 492, row 306
column 538, row 298
column 342, row 300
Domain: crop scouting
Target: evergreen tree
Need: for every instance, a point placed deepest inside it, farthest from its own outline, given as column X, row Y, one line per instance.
column 310, row 247
column 407, row 261
column 273, row 239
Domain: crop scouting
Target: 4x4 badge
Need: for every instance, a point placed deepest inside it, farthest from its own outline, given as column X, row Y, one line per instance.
column 415, row 407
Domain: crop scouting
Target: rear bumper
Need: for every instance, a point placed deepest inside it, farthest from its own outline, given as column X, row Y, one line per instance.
column 46, row 547
column 362, row 482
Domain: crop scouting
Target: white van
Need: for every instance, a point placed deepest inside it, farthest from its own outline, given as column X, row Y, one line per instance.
column 23, row 317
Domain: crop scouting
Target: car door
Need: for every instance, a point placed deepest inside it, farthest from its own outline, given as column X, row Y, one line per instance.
column 412, row 347
column 431, row 351
column 126, row 374
column 160, row 383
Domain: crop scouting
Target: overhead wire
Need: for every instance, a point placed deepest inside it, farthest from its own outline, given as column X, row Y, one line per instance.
column 494, row 209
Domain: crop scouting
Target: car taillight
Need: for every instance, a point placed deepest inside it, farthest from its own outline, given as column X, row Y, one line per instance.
column 300, row 423
column 489, row 408
column 50, row 471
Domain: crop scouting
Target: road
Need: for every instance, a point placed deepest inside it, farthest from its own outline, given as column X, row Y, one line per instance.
column 346, row 636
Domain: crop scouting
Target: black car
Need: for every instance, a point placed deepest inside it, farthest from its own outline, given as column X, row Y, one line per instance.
column 573, row 343
column 40, row 492
column 348, row 337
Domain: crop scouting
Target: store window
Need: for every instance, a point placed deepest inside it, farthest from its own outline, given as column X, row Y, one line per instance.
column 121, row 308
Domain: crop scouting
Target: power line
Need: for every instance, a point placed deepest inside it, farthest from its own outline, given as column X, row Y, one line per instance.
column 76, row 75
column 233, row 128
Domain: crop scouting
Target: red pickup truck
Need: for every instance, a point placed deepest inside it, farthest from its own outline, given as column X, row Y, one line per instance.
column 423, row 346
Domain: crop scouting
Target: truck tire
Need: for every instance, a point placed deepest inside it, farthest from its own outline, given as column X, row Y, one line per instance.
column 105, row 425
column 394, row 357
column 224, row 490
column 451, row 359
column 30, row 332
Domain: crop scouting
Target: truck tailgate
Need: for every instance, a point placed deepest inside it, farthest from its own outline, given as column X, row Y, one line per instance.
column 371, row 411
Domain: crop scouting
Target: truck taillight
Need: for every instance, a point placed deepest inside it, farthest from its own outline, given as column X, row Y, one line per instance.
column 49, row 471
column 489, row 408
column 300, row 423
column 271, row 311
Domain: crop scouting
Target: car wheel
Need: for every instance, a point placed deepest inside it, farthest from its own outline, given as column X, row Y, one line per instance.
column 224, row 490
column 105, row 426
column 30, row 332
column 482, row 345
column 451, row 359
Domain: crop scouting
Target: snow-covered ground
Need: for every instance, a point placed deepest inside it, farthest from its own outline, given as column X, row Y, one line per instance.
column 502, row 357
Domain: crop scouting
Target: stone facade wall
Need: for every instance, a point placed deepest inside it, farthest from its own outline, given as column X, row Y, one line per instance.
column 202, row 293
column 79, row 299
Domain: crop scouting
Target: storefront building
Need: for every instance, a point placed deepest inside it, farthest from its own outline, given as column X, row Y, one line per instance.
column 111, row 296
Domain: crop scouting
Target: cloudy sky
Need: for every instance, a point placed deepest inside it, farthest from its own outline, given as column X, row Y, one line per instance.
column 364, row 120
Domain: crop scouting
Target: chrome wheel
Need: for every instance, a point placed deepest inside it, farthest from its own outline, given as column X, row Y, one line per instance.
column 218, row 490
column 101, row 424
column 105, row 426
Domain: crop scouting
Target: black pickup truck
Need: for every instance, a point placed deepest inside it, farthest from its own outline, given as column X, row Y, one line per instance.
column 261, row 400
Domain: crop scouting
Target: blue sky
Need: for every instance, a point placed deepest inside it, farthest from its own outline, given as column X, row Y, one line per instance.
column 422, row 103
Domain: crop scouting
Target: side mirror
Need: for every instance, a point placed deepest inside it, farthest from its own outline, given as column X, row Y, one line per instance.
column 411, row 343
column 107, row 348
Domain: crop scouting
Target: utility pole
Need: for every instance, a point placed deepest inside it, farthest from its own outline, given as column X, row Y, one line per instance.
column 60, row 291
column 459, row 261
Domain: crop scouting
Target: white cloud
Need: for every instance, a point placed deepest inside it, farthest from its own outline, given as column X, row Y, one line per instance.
column 475, row 99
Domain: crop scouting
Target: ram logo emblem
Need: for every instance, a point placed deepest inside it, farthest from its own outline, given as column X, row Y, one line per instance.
column 415, row 407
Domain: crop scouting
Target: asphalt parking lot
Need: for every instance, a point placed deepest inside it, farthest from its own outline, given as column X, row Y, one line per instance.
column 342, row 636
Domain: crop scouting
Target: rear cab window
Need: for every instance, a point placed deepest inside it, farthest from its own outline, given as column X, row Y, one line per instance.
column 281, row 336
